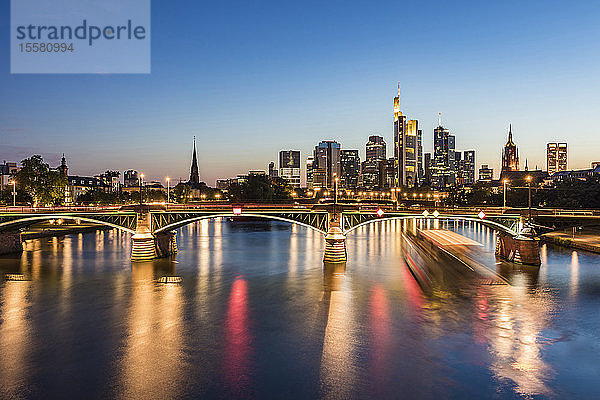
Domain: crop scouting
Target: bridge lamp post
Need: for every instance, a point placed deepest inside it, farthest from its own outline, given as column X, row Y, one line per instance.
column 529, row 186
column 335, row 189
column 141, row 183
column 14, row 192
column 168, row 190
column 505, row 181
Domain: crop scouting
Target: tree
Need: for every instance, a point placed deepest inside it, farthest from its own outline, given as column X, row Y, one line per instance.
column 261, row 189
column 6, row 196
column 181, row 192
column 44, row 185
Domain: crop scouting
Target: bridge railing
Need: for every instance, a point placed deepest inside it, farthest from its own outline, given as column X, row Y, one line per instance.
column 65, row 209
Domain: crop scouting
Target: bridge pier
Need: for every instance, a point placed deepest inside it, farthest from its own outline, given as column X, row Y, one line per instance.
column 10, row 242
column 147, row 245
column 335, row 240
column 518, row 249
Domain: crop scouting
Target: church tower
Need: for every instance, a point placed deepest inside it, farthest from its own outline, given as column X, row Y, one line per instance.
column 194, row 176
column 510, row 154
column 63, row 169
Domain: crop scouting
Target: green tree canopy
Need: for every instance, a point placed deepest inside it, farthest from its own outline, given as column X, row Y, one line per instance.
column 44, row 185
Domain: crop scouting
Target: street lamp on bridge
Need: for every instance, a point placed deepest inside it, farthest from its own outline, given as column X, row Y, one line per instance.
column 529, row 186
column 168, row 190
column 505, row 181
column 14, row 192
column 141, row 180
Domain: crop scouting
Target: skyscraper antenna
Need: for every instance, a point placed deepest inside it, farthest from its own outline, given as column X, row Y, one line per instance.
column 398, row 90
column 439, row 119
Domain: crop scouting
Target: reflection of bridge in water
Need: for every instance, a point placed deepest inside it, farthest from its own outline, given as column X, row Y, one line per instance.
column 153, row 226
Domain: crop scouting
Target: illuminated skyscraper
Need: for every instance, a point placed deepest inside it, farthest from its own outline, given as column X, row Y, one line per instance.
column 376, row 148
column 350, row 169
column 289, row 167
column 468, row 168
column 399, row 129
column 310, row 161
column 486, row 174
column 372, row 168
column 420, row 170
column 326, row 164
column 556, row 157
column 406, row 149
column 443, row 170
column 510, row 154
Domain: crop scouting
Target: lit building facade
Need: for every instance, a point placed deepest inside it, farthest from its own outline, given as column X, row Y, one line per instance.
column 309, row 172
column 486, row 174
column 467, row 167
column 442, row 167
column 7, row 170
column 372, row 168
column 376, row 148
column 406, row 147
column 350, row 169
column 399, row 131
column 289, row 167
column 326, row 164
column 556, row 157
column 273, row 173
column 130, row 178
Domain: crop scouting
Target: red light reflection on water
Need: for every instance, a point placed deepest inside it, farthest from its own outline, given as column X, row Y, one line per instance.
column 413, row 290
column 237, row 339
column 380, row 325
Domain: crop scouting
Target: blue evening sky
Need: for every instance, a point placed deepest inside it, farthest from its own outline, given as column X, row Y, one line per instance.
column 251, row 78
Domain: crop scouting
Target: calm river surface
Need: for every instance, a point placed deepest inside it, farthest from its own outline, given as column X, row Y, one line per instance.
column 257, row 316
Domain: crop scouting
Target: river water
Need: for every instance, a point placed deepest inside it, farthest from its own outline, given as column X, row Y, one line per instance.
column 257, row 316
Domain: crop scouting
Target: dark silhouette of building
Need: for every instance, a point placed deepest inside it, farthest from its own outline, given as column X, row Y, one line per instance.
column 63, row 169
column 194, row 175
column 510, row 154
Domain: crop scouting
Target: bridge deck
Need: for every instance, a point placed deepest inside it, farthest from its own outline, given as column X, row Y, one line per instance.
column 443, row 237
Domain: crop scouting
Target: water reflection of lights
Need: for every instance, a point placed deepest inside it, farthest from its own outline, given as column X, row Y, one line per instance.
column 381, row 335
column 237, row 340
column 574, row 282
column 337, row 368
column 15, row 335
column 154, row 356
column 512, row 322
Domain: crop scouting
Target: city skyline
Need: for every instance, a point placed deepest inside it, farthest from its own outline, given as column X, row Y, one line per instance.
column 336, row 85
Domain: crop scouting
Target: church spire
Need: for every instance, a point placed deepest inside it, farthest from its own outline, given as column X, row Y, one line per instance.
column 194, row 176
column 63, row 169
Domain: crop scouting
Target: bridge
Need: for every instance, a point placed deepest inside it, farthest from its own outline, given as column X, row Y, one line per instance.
column 153, row 226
